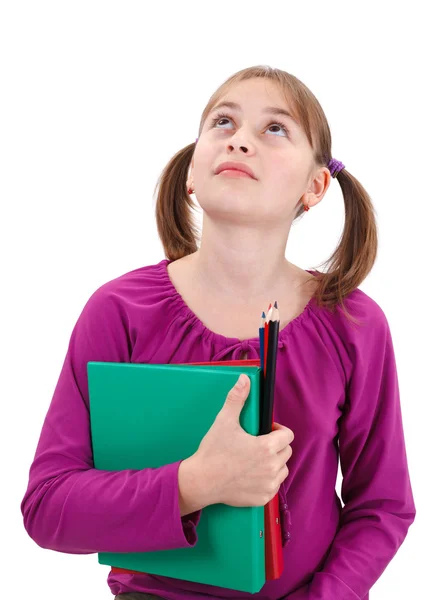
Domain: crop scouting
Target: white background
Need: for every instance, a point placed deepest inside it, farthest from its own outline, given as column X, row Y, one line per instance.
column 96, row 97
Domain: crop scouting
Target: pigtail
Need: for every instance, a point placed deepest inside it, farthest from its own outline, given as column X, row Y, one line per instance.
column 175, row 219
column 355, row 255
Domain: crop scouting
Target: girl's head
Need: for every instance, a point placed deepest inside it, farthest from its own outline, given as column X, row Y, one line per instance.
column 241, row 125
column 288, row 152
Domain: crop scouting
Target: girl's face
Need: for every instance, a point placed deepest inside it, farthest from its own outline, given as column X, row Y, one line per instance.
column 273, row 145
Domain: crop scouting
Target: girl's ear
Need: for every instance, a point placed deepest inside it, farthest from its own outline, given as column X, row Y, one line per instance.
column 191, row 168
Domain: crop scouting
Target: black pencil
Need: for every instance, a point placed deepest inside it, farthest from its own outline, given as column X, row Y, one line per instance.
column 266, row 421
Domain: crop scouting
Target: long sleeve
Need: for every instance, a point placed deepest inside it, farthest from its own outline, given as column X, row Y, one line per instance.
column 376, row 490
column 70, row 506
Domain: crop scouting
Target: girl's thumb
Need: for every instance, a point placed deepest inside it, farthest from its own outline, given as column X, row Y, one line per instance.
column 238, row 394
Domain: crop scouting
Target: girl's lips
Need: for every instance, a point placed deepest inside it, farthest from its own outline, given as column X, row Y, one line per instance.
column 234, row 173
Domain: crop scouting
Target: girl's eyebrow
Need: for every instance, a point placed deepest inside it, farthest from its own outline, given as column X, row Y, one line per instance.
column 272, row 110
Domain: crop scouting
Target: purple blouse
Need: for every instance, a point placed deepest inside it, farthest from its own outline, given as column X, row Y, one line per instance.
column 336, row 388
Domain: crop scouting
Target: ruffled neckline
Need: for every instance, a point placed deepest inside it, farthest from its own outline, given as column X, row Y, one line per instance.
column 181, row 305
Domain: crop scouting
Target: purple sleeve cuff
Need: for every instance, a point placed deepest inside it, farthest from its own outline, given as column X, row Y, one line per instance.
column 189, row 523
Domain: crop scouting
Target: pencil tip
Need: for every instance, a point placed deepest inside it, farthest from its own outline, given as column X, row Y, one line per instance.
column 263, row 315
column 275, row 304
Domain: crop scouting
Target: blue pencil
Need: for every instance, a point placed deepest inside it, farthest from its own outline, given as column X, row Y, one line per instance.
column 261, row 340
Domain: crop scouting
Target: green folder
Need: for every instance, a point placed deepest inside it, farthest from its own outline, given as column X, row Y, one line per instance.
column 148, row 415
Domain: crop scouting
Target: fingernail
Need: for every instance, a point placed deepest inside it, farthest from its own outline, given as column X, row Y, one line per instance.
column 241, row 381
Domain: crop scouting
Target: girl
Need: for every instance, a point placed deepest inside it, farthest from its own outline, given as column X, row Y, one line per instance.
column 262, row 158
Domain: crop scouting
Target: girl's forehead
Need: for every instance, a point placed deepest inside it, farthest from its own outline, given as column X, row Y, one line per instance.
column 253, row 90
column 261, row 95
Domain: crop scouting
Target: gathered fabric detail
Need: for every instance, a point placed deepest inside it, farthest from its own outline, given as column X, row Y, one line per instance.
column 240, row 348
column 236, row 351
column 229, row 345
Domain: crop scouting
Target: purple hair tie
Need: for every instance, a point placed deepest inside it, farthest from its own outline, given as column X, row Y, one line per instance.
column 335, row 166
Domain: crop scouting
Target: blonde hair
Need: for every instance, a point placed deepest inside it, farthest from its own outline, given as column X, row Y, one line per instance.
column 355, row 255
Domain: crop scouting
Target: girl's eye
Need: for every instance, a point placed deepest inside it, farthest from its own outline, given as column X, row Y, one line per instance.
column 222, row 116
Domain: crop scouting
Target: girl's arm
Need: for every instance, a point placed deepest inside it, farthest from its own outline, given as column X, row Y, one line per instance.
column 376, row 490
column 70, row 506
